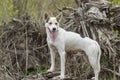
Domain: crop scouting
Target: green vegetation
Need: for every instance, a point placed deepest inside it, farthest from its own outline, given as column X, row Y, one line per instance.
column 35, row 8
column 34, row 72
column 115, row 1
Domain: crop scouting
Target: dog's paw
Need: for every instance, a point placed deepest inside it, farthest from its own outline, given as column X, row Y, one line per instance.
column 56, row 78
column 50, row 70
column 93, row 78
column 60, row 77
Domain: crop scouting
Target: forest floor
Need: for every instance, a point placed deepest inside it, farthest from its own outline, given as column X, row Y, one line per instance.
column 49, row 76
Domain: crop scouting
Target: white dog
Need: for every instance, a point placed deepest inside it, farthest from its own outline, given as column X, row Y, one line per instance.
column 63, row 40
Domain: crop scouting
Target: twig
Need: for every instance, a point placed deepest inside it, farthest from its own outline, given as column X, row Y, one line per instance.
column 84, row 28
column 114, row 72
column 18, row 67
column 69, row 8
column 26, row 41
column 69, row 25
column 114, row 67
column 119, row 68
column 9, row 73
column 40, row 47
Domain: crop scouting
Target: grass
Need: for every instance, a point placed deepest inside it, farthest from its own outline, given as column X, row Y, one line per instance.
column 34, row 72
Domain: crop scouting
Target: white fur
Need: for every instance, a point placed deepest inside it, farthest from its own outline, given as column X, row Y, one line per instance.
column 66, row 40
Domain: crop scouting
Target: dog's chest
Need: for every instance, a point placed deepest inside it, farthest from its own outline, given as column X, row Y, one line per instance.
column 51, row 43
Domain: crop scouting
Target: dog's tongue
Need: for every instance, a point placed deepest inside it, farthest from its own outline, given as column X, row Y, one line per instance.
column 53, row 35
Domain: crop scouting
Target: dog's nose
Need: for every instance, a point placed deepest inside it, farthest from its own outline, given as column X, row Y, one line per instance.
column 54, row 29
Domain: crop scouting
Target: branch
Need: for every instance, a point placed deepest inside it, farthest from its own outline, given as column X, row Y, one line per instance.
column 114, row 72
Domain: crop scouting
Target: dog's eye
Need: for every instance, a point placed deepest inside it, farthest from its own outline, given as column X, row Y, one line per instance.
column 50, row 23
column 56, row 23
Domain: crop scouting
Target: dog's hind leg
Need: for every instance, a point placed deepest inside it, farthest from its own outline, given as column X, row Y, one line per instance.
column 52, row 54
column 95, row 67
column 93, row 55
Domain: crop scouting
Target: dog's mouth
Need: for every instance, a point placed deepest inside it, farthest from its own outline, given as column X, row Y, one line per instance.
column 53, row 34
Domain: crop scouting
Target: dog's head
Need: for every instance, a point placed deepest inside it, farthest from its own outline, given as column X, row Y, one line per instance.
column 52, row 23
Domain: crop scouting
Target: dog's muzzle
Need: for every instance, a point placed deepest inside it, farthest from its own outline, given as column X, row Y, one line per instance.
column 53, row 33
column 54, row 29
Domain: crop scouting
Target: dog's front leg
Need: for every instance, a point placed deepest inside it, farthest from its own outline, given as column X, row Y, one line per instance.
column 62, row 59
column 52, row 54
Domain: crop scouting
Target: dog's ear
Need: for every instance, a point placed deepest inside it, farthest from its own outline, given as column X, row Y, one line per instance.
column 46, row 17
column 59, row 17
